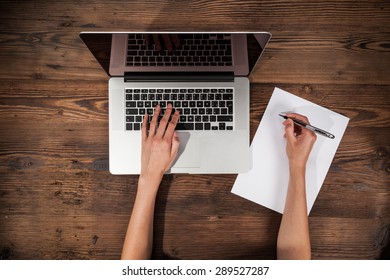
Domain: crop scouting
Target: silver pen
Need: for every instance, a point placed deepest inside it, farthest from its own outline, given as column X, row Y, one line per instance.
column 310, row 127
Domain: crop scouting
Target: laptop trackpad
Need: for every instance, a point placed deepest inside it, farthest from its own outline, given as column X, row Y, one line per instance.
column 189, row 151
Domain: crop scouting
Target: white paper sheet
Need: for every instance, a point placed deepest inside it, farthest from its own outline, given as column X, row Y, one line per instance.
column 266, row 183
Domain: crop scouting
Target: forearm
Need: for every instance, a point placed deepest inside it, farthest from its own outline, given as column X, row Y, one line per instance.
column 293, row 238
column 139, row 237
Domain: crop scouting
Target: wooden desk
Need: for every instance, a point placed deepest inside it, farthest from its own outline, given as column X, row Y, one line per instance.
column 57, row 198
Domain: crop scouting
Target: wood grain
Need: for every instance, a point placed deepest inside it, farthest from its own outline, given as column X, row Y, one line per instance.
column 57, row 198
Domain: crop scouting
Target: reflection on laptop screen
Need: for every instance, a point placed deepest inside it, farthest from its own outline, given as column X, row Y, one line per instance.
column 138, row 52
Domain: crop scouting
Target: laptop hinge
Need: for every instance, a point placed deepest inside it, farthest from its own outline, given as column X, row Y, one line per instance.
column 179, row 76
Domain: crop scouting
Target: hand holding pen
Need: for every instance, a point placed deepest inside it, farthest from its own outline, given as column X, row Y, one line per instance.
column 307, row 125
column 299, row 142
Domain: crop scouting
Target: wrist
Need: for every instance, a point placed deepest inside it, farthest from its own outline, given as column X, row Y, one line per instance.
column 149, row 184
column 297, row 176
column 297, row 169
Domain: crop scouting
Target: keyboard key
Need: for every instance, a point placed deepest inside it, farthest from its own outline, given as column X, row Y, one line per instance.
column 207, row 126
column 131, row 104
column 229, row 105
column 131, row 111
column 222, row 126
column 224, row 118
column 228, row 96
column 129, row 126
column 129, row 97
column 137, row 126
column 198, row 126
column 229, row 127
column 185, row 126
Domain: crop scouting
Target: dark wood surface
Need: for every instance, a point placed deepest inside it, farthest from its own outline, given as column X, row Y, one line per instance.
column 57, row 198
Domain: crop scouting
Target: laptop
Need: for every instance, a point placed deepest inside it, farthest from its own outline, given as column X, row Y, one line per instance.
column 203, row 75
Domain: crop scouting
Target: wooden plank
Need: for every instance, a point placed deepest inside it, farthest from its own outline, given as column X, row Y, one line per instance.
column 205, row 15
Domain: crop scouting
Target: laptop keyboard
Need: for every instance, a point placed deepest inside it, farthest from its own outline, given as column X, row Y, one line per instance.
column 194, row 50
column 200, row 108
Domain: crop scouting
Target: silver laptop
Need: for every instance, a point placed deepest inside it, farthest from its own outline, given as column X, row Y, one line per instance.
column 203, row 75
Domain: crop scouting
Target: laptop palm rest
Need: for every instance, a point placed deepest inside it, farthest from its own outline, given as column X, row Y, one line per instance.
column 188, row 154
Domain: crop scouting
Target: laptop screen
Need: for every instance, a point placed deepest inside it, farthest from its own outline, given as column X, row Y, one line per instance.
column 120, row 52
